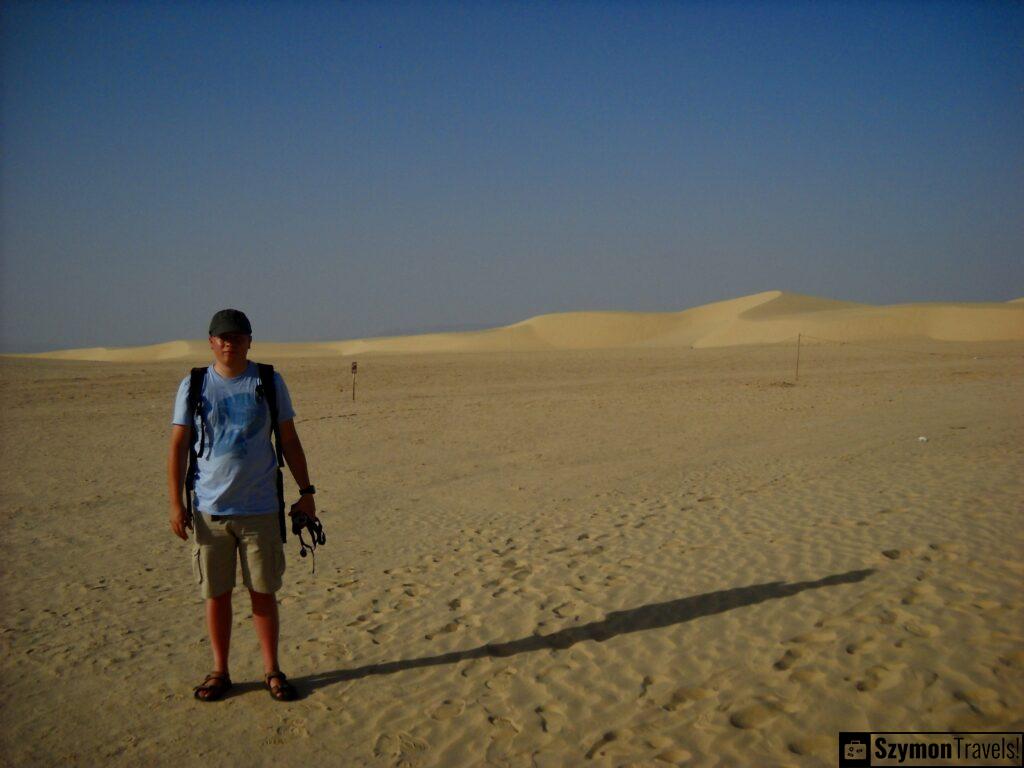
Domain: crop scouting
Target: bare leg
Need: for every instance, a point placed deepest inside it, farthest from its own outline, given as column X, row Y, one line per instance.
column 218, row 623
column 265, row 619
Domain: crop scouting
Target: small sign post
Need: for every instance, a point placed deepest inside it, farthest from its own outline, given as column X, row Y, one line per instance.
column 353, row 381
column 797, row 377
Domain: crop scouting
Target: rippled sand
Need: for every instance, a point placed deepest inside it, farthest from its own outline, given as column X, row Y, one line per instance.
column 603, row 558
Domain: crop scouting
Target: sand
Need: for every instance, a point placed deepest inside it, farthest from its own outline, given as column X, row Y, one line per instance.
column 770, row 317
column 608, row 557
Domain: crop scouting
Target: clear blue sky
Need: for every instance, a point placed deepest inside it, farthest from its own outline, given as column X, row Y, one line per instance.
column 350, row 169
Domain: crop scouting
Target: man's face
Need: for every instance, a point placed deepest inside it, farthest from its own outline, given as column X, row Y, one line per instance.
column 230, row 348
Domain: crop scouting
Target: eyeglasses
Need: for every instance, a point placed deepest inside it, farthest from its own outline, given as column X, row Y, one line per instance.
column 234, row 339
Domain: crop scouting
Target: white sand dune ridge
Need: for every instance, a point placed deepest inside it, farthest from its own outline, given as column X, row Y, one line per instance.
column 769, row 317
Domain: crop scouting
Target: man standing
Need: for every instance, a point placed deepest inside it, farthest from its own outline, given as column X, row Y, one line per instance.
column 236, row 497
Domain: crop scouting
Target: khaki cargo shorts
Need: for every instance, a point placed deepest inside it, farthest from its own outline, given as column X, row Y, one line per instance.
column 223, row 540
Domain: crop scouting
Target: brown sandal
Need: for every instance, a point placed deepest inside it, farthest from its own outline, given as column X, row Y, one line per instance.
column 213, row 687
column 283, row 691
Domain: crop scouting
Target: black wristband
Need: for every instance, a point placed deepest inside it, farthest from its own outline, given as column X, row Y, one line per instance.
column 309, row 490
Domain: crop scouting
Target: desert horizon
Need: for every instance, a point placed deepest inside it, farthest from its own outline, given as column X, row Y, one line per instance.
column 769, row 317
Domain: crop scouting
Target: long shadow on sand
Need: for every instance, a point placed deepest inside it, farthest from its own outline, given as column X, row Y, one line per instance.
column 653, row 616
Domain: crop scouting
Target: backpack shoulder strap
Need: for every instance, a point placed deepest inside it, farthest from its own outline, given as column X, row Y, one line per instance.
column 194, row 405
column 269, row 390
column 195, row 387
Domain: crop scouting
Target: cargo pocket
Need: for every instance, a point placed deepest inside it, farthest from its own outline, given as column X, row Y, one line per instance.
column 197, row 566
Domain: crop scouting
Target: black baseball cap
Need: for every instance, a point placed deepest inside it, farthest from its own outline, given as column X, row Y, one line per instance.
column 230, row 321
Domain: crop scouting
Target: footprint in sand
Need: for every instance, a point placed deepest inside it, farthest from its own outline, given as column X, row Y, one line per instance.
column 987, row 605
column 1014, row 659
column 950, row 551
column 565, row 610
column 819, row 746
column 448, row 709
column 860, row 646
column 646, row 683
column 504, row 727
column 602, row 747
column 881, row 677
column 674, row 756
column 555, row 674
column 685, row 696
column 552, row 718
column 285, row 732
column 815, row 636
column 789, row 658
column 889, row 616
column 753, row 716
column 807, row 676
column 400, row 746
column 501, row 680
column 502, row 732
column 657, row 741
column 922, row 593
column 920, row 629
column 984, row 701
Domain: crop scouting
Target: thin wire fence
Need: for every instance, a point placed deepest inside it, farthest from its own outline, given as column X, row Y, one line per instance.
column 797, row 364
column 894, row 350
column 787, row 365
column 743, row 350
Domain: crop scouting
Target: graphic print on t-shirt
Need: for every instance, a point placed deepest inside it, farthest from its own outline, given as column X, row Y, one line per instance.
column 235, row 421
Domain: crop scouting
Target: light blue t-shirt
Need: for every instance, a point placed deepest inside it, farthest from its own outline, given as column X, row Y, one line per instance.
column 237, row 473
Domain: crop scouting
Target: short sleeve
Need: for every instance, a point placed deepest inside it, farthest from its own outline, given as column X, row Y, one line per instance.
column 285, row 411
column 180, row 416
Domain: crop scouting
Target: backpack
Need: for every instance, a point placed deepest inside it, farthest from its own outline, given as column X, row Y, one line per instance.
column 265, row 390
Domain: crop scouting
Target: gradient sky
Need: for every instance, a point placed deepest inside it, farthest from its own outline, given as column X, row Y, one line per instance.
column 341, row 170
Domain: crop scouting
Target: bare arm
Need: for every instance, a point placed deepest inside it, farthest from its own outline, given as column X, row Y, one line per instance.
column 295, row 458
column 177, row 457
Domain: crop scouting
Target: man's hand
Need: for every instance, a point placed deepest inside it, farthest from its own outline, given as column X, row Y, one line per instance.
column 306, row 505
column 179, row 520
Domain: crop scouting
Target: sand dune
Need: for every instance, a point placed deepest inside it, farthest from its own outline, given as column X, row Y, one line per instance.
column 763, row 318
column 196, row 349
